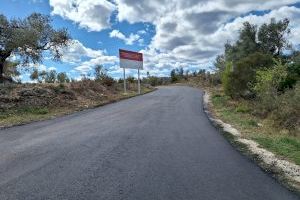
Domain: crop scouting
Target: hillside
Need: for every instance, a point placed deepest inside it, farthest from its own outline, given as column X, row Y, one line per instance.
column 29, row 102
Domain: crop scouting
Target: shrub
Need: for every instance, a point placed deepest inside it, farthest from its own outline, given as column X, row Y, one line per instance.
column 107, row 80
column 227, row 80
column 242, row 108
column 238, row 77
column 287, row 111
column 267, row 86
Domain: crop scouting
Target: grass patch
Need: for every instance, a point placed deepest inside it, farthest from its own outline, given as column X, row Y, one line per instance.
column 36, row 111
column 29, row 114
column 238, row 113
column 242, row 109
column 285, row 146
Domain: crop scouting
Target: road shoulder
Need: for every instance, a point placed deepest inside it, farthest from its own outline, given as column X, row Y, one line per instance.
column 286, row 172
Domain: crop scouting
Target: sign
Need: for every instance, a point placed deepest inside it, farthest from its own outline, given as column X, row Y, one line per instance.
column 131, row 59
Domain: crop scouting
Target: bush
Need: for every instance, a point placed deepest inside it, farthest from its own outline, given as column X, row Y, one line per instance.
column 242, row 108
column 238, row 78
column 154, row 81
column 267, row 86
column 227, row 80
column 287, row 112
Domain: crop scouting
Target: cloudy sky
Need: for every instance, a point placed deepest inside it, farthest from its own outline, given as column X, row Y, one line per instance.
column 170, row 33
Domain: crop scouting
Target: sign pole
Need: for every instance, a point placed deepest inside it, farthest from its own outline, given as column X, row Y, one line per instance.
column 124, row 80
column 139, row 82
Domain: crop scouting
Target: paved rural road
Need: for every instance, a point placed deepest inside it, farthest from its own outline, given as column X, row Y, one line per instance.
column 157, row 146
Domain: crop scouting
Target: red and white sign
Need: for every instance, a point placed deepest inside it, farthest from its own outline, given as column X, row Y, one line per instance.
column 131, row 59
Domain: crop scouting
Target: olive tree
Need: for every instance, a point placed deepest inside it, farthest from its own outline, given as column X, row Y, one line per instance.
column 273, row 36
column 28, row 38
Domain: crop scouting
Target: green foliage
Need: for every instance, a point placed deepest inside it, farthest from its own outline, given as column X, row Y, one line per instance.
column 227, row 80
column 267, row 86
column 272, row 36
column 36, row 111
column 244, row 46
column 102, row 76
column 220, row 63
column 242, row 108
column 10, row 69
column 154, row 81
column 283, row 145
column 28, row 38
column 173, row 75
column 287, row 111
column 62, row 77
column 268, row 80
column 293, row 73
column 35, row 75
column 237, row 79
column 51, row 76
column 99, row 72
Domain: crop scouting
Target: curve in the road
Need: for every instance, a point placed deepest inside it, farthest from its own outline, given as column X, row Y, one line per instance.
column 156, row 146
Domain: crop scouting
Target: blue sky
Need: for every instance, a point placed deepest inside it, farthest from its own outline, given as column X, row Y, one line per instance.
column 170, row 33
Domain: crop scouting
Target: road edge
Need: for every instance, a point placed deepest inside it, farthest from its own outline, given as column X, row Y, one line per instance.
column 287, row 173
column 78, row 110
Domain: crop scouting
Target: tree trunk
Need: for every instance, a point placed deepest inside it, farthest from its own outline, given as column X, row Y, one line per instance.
column 1, row 72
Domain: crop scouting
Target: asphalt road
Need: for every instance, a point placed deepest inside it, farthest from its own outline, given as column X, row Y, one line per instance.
column 157, row 146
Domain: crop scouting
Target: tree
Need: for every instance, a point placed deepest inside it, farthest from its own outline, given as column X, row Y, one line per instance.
column 293, row 72
column 173, row 75
column 62, row 77
column 11, row 69
column 240, row 76
column 220, row 63
column 51, row 76
column 272, row 36
column 244, row 46
column 180, row 72
column 102, row 76
column 42, row 76
column 28, row 38
column 99, row 72
column 268, row 83
column 35, row 75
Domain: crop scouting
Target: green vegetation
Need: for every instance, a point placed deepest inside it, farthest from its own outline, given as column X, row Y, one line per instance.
column 69, row 97
column 287, row 147
column 255, row 87
column 27, row 39
column 239, row 114
column 254, row 69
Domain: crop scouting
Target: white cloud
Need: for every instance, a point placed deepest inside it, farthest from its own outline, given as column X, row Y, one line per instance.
column 84, row 58
column 128, row 40
column 93, row 15
column 193, row 32
column 188, row 33
column 52, row 68
column 86, row 66
column 76, row 51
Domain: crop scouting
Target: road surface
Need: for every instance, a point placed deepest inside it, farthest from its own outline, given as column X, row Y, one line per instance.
column 157, row 146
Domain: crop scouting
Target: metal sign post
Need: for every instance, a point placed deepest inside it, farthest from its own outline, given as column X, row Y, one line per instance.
column 124, row 80
column 131, row 60
column 139, row 82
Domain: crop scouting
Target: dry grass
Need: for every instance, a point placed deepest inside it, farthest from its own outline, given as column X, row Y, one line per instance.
column 65, row 99
column 240, row 115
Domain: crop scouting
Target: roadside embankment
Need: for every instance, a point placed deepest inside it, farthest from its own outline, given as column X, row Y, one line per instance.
column 24, row 103
column 284, row 166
